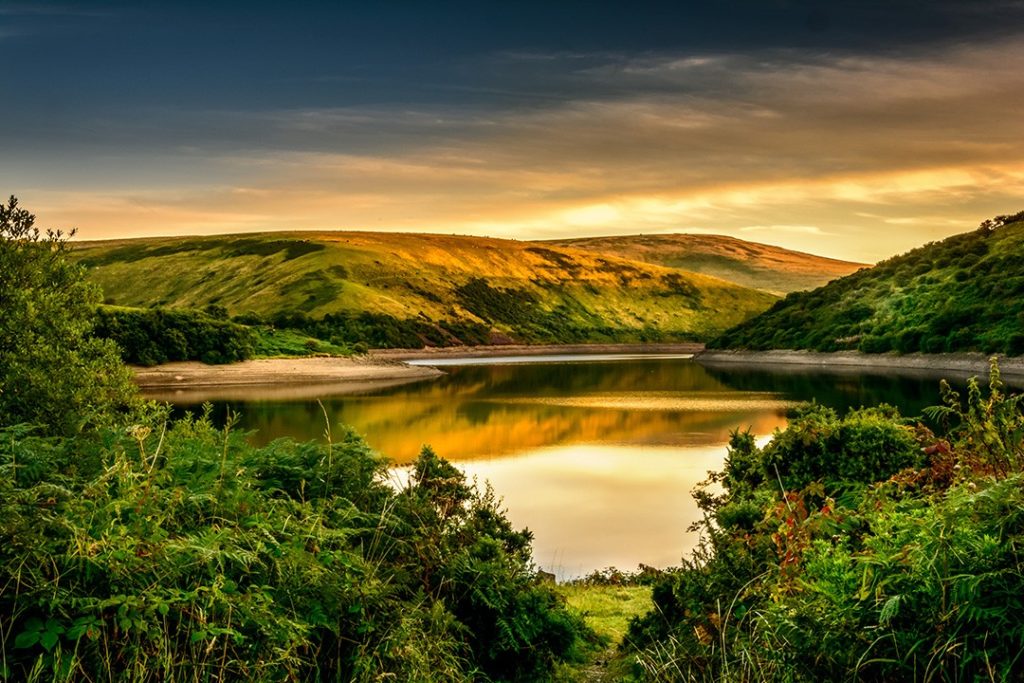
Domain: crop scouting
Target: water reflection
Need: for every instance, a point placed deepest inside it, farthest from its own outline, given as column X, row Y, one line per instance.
column 507, row 410
column 600, row 506
column 598, row 458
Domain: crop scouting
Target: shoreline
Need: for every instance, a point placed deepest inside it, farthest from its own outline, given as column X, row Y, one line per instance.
column 302, row 377
column 298, row 377
column 498, row 350
column 961, row 364
column 319, row 370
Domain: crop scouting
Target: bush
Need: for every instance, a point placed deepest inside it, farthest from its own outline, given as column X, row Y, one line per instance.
column 866, row 445
column 54, row 372
column 153, row 336
column 809, row 573
column 181, row 552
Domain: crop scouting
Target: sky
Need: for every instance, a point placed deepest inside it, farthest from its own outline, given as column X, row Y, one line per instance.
column 855, row 129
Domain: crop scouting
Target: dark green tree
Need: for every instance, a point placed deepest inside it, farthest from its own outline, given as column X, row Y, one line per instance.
column 53, row 372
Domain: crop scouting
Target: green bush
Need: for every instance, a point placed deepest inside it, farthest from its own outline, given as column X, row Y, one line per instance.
column 866, row 445
column 180, row 552
column 53, row 371
column 810, row 572
column 156, row 335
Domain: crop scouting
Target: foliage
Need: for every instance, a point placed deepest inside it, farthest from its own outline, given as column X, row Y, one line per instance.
column 180, row 552
column 965, row 293
column 272, row 342
column 376, row 330
column 53, row 372
column 154, row 336
column 813, row 569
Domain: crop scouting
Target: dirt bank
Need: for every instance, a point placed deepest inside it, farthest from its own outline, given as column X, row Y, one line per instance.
column 280, row 371
column 958, row 364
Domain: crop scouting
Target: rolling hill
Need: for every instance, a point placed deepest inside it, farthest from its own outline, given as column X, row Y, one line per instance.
column 759, row 266
column 965, row 293
column 523, row 291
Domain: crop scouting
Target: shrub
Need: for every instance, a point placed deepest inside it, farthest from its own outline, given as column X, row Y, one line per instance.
column 181, row 552
column 917, row 576
column 54, row 372
column 156, row 335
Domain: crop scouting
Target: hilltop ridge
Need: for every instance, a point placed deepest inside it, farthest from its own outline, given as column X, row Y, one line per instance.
column 964, row 293
column 468, row 289
column 751, row 264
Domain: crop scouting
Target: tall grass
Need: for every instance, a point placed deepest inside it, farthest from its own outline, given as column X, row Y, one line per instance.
column 178, row 552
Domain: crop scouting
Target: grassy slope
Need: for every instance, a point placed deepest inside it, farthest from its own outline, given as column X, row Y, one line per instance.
column 414, row 275
column 965, row 293
column 750, row 264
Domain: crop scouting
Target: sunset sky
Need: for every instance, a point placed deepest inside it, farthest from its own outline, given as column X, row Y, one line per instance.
column 852, row 129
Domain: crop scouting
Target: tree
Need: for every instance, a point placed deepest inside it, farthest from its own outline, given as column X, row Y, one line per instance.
column 53, row 372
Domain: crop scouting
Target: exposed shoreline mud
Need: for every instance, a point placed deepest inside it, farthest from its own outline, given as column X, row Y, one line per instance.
column 954, row 364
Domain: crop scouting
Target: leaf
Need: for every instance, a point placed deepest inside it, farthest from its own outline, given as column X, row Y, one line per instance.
column 26, row 639
column 889, row 610
column 198, row 635
column 49, row 639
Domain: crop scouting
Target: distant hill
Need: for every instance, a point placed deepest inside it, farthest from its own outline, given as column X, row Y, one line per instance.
column 455, row 286
column 760, row 266
column 965, row 293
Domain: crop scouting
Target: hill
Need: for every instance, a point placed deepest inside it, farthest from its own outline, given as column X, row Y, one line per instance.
column 760, row 266
column 965, row 293
column 430, row 288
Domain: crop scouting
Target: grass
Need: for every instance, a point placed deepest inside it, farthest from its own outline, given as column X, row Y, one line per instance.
column 760, row 266
column 965, row 293
column 275, row 343
column 574, row 295
column 607, row 610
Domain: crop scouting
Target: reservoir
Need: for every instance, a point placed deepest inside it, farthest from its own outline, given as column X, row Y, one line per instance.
column 596, row 455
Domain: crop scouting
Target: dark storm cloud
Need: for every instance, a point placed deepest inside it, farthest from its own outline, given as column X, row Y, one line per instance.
column 815, row 124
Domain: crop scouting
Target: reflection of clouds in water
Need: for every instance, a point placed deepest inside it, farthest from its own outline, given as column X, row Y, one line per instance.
column 591, row 507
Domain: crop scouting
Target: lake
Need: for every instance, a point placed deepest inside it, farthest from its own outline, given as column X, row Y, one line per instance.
column 596, row 455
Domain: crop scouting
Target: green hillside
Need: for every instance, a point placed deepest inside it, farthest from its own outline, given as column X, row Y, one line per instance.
column 760, row 266
column 431, row 288
column 965, row 293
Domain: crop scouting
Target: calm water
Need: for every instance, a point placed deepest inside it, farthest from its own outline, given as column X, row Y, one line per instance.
column 596, row 456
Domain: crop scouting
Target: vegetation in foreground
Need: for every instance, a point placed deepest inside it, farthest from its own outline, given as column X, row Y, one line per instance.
column 965, row 293
column 182, row 553
column 608, row 601
column 137, row 548
column 855, row 548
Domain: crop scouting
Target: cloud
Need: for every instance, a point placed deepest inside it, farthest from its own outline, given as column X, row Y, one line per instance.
column 827, row 153
column 799, row 229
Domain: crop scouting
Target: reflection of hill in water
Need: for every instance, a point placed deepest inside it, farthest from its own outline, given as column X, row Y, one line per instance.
column 496, row 411
column 842, row 387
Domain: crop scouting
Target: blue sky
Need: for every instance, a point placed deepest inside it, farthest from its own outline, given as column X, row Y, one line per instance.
column 851, row 129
